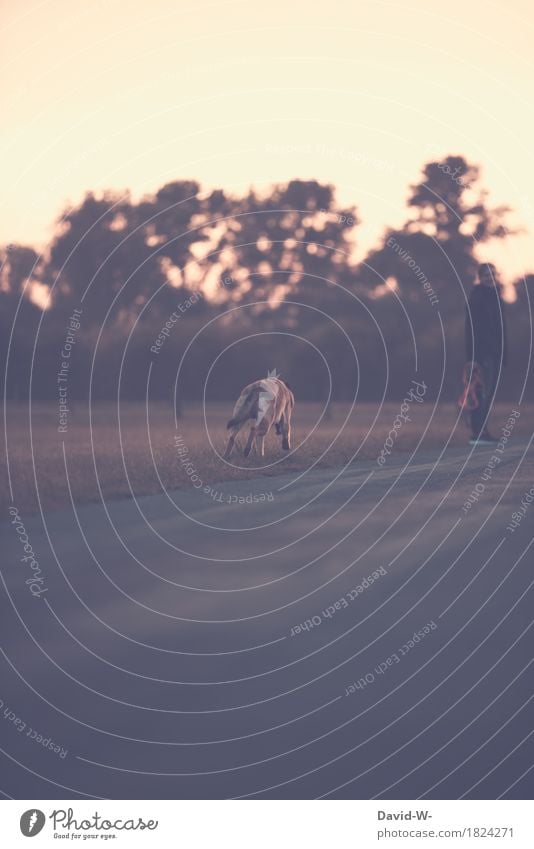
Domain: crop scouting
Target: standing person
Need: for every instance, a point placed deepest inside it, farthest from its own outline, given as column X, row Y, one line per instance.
column 485, row 343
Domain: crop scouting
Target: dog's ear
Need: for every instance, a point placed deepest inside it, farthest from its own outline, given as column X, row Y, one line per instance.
column 285, row 383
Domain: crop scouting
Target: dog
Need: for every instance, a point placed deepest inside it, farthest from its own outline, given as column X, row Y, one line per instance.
column 265, row 402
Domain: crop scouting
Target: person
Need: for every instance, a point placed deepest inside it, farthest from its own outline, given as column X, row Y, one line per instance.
column 485, row 343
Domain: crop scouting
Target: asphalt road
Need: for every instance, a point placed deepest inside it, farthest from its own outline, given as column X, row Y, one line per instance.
column 196, row 645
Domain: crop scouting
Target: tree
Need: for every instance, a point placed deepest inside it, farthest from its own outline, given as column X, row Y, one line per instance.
column 449, row 217
column 19, row 316
column 273, row 246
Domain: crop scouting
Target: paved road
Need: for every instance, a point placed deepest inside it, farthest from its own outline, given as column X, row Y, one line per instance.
column 356, row 634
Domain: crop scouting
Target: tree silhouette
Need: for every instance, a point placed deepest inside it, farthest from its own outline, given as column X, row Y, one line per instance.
column 449, row 217
column 290, row 252
column 95, row 252
column 272, row 244
column 19, row 316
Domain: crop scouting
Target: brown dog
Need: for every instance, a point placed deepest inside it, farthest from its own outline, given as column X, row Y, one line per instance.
column 264, row 402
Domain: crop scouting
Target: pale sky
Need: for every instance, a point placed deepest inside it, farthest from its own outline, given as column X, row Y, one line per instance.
column 127, row 94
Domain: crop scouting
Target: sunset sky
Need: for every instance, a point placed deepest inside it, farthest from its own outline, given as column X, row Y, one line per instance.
column 126, row 94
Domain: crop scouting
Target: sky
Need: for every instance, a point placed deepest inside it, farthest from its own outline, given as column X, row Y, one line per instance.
column 128, row 95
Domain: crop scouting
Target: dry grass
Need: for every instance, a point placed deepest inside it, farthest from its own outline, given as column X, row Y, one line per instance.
column 141, row 456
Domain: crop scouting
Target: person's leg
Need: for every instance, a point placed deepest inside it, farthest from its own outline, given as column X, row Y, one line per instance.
column 485, row 395
column 478, row 415
column 490, row 369
column 476, row 418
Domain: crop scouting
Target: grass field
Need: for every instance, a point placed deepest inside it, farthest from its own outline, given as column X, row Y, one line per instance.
column 114, row 454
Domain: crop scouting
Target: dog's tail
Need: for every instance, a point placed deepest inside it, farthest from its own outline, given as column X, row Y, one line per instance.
column 246, row 408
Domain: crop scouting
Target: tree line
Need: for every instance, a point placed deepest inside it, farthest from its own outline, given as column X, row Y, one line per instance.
column 200, row 291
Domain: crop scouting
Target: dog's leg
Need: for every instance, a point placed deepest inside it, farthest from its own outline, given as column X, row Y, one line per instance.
column 261, row 432
column 250, row 441
column 286, row 430
column 231, row 440
column 229, row 446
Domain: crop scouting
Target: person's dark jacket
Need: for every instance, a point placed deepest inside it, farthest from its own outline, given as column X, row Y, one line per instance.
column 485, row 330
